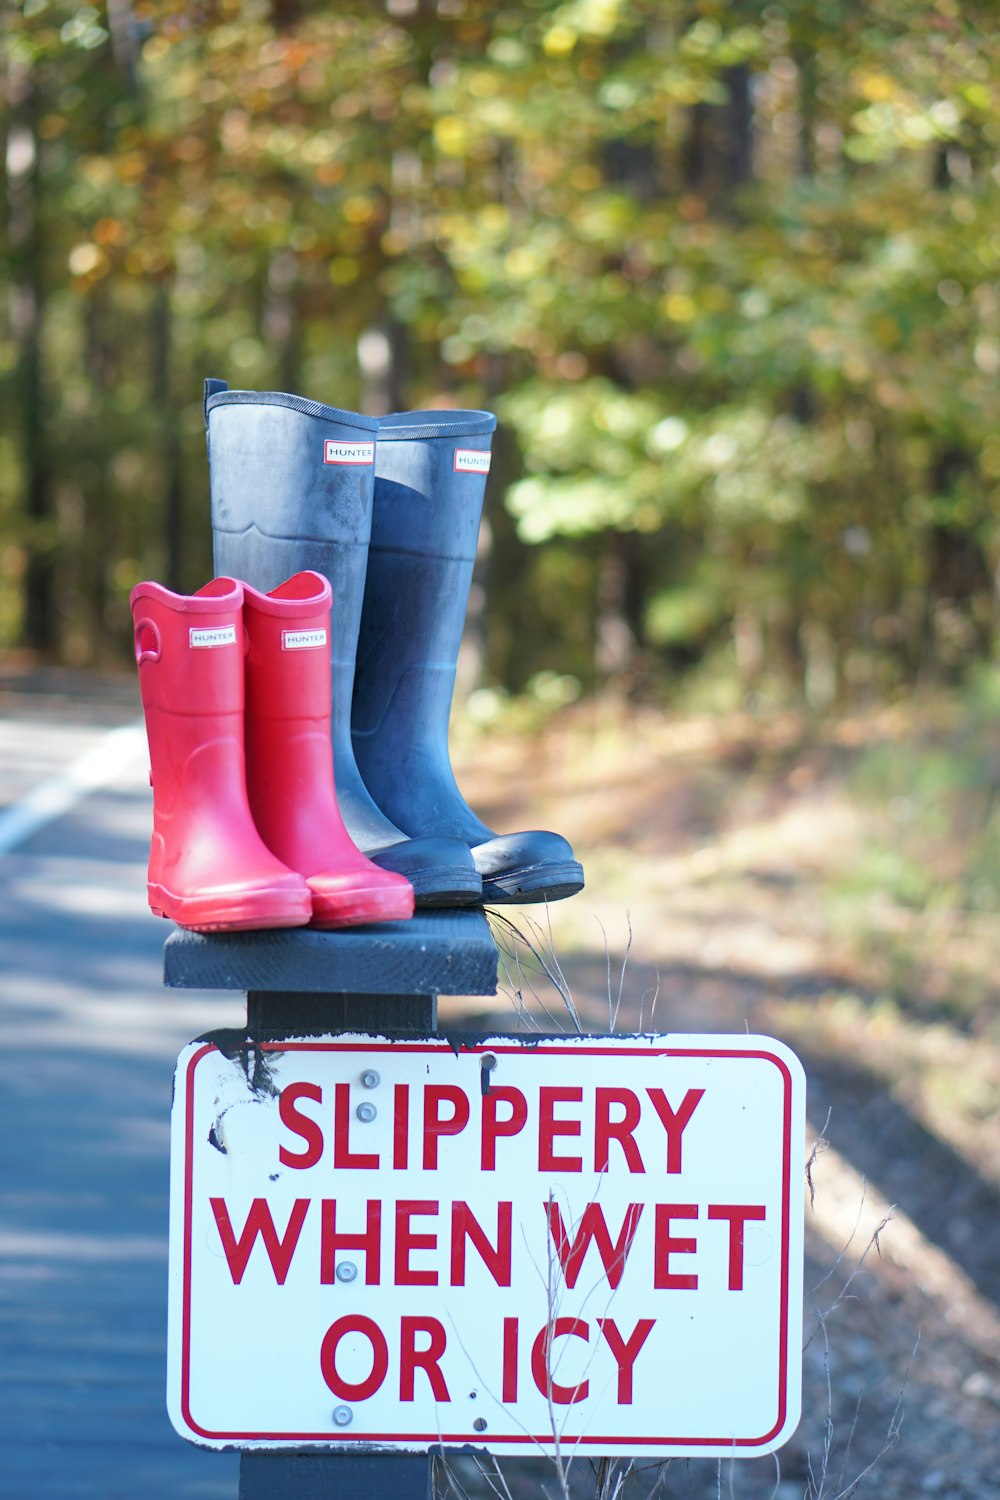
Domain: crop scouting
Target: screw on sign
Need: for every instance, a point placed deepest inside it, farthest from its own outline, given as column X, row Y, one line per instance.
column 609, row 1229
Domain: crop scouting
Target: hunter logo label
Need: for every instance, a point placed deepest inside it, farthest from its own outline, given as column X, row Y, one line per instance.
column 222, row 635
column 302, row 640
column 471, row 461
column 335, row 452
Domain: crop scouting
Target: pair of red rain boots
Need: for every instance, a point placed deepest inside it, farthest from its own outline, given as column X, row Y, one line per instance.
column 236, row 691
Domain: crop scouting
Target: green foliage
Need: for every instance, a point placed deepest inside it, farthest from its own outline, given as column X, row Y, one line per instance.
column 920, row 900
column 729, row 274
column 939, row 799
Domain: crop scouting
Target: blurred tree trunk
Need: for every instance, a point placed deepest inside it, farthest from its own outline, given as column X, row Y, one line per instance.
column 621, row 596
column 959, row 610
column 958, row 596
column 28, row 293
column 804, row 58
column 121, row 24
column 170, row 444
column 716, row 161
column 382, row 362
column 285, row 14
column 99, row 363
column 280, row 323
column 717, row 158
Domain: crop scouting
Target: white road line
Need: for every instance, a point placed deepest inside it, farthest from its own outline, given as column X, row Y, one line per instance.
column 95, row 768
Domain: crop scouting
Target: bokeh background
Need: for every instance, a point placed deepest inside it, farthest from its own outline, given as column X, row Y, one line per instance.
column 729, row 273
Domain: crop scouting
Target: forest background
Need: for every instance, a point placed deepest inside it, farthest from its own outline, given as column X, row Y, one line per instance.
column 728, row 273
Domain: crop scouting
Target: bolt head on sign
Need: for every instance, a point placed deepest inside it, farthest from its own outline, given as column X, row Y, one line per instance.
column 595, row 1240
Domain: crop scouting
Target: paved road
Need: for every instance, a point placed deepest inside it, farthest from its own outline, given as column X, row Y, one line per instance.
column 90, row 1040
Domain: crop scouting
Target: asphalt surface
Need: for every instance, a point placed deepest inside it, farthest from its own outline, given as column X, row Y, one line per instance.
column 90, row 1039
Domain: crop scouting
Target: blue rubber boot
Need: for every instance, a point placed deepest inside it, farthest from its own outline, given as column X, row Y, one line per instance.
column 430, row 479
column 291, row 486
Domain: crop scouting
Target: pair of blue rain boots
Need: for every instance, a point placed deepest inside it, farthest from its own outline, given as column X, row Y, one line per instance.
column 389, row 510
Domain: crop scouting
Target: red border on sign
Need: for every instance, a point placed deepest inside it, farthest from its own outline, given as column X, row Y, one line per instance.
column 188, row 1204
column 589, row 1441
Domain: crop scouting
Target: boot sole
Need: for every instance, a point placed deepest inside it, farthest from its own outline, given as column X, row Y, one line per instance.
column 261, row 909
column 448, row 888
column 533, row 884
column 357, row 908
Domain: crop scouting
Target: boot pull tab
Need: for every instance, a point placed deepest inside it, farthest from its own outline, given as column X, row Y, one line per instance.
column 212, row 388
column 147, row 641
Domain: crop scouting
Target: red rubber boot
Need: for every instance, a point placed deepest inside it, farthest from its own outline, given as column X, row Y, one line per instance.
column 290, row 757
column 208, row 867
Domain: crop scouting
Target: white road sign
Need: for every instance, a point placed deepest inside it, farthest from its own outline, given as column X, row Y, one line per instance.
column 503, row 1243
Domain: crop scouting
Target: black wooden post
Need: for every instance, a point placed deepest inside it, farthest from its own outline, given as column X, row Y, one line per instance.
column 348, row 1476
column 383, row 979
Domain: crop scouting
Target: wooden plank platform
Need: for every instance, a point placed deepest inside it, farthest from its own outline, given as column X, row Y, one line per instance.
column 436, row 953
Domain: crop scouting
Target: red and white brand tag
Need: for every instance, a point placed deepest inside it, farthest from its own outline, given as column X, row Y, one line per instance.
column 302, row 640
column 471, row 461
column 221, row 635
column 335, row 452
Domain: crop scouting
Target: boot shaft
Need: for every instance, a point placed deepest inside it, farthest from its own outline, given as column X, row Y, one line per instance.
column 189, row 648
column 311, row 466
column 430, row 477
column 291, row 489
column 430, row 482
column 190, row 653
column 288, row 650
